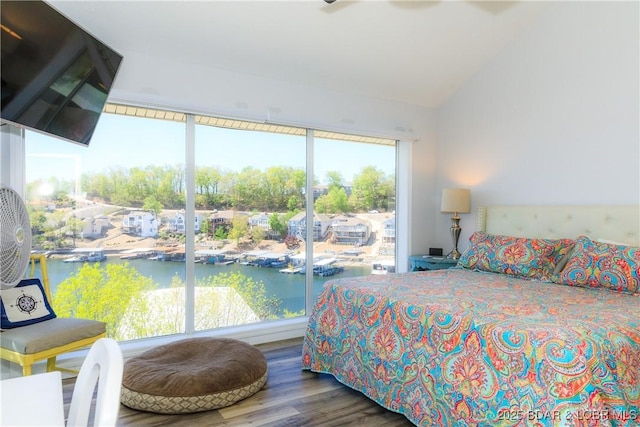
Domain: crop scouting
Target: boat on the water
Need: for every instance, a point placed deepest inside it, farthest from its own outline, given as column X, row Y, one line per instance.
column 137, row 253
column 291, row 269
column 213, row 256
column 330, row 271
column 86, row 255
column 325, row 267
column 384, row 266
column 265, row 259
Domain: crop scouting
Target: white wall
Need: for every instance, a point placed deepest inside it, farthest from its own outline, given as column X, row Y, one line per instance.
column 162, row 82
column 424, row 211
column 12, row 154
column 554, row 118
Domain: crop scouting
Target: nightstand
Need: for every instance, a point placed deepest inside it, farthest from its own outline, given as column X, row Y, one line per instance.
column 427, row 262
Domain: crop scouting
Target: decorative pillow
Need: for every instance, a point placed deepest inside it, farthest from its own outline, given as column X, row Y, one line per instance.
column 24, row 304
column 562, row 261
column 516, row 256
column 602, row 265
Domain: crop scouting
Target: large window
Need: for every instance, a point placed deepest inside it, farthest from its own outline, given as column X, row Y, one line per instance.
column 355, row 192
column 104, row 215
column 170, row 223
column 249, row 185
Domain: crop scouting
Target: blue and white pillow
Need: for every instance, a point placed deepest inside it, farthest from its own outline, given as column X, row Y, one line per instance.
column 24, row 304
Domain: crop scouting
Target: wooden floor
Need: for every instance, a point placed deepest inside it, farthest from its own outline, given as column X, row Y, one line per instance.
column 291, row 397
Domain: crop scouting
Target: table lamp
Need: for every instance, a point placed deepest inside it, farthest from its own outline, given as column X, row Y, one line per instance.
column 456, row 200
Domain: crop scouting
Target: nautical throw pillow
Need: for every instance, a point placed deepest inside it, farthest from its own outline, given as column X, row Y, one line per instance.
column 24, row 304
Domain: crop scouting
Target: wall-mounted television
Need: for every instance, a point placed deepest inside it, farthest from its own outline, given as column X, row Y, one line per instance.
column 55, row 76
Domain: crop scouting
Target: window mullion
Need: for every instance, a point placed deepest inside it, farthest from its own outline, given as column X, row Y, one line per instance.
column 190, row 186
column 309, row 220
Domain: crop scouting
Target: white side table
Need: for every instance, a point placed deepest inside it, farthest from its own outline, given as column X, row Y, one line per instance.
column 34, row 400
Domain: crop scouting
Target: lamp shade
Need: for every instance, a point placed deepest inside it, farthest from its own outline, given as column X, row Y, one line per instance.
column 456, row 200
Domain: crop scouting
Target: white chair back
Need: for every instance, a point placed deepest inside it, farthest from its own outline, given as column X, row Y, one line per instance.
column 103, row 365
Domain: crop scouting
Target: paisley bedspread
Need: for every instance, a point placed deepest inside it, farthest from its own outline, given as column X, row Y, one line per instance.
column 463, row 348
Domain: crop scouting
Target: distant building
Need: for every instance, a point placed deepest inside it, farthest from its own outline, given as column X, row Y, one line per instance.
column 262, row 220
column 389, row 230
column 220, row 219
column 320, row 190
column 177, row 224
column 350, row 230
column 94, row 227
column 297, row 226
column 140, row 223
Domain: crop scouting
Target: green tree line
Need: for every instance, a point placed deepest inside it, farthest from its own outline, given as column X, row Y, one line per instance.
column 276, row 189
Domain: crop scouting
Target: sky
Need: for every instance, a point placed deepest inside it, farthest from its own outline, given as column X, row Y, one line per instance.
column 129, row 142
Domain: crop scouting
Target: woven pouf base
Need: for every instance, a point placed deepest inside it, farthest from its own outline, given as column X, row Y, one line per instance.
column 193, row 375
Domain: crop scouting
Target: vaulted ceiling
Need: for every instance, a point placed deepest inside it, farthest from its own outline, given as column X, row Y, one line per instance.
column 413, row 52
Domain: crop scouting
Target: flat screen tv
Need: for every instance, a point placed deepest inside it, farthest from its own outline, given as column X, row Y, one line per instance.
column 55, row 76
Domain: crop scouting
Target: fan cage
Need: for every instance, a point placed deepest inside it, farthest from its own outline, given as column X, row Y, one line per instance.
column 15, row 238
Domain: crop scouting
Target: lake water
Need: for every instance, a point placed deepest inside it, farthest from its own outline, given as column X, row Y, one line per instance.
column 289, row 288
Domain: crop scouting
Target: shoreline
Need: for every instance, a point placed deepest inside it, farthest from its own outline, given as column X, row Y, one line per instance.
column 119, row 245
column 115, row 253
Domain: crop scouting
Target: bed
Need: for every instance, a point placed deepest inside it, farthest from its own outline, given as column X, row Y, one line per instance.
column 539, row 324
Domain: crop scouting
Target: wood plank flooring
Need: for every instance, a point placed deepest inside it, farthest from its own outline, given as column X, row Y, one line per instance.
column 291, row 397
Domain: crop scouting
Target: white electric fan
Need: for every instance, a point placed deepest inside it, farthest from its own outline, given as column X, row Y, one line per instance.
column 15, row 238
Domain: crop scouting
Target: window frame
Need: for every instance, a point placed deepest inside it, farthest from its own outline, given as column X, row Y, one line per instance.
column 257, row 331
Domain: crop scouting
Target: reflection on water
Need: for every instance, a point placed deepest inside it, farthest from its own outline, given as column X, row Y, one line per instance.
column 289, row 288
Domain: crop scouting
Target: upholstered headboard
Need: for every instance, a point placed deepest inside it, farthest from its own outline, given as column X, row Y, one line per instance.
column 614, row 223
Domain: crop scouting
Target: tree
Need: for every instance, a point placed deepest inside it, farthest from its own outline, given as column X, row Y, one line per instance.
column 74, row 226
column 152, row 204
column 322, row 205
column 334, row 179
column 249, row 189
column 239, row 229
column 278, row 224
column 207, row 186
column 257, row 235
column 102, row 292
column 38, row 220
column 298, row 183
column 336, row 201
column 369, row 189
column 52, row 228
column 168, row 190
column 221, row 233
column 276, row 189
column 204, row 226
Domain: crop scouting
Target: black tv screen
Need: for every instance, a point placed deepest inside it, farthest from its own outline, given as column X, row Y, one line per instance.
column 55, row 76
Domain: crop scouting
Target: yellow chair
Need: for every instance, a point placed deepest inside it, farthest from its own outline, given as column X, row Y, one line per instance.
column 29, row 344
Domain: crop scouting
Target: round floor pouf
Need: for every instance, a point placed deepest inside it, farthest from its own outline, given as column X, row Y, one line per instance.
column 193, row 375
